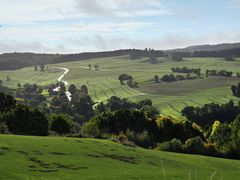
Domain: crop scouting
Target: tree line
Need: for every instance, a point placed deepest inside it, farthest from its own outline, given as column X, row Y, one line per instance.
column 186, row 70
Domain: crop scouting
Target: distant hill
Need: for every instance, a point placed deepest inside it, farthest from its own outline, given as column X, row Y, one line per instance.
column 207, row 47
column 11, row 61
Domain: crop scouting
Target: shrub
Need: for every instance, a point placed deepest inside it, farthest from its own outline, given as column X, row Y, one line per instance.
column 143, row 139
column 175, row 145
column 123, row 139
column 90, row 129
column 194, row 145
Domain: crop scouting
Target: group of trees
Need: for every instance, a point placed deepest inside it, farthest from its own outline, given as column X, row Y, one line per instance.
column 149, row 53
column 229, row 58
column 219, row 73
column 236, row 90
column 130, row 81
column 21, row 119
column 221, row 130
column 80, row 106
column 186, row 70
column 176, row 56
column 31, row 94
column 174, row 78
column 96, row 67
column 26, row 120
column 115, row 103
column 138, row 127
column 41, row 66
column 208, row 113
column 226, row 137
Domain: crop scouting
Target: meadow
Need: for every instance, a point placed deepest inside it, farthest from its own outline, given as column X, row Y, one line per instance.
column 27, row 157
column 169, row 98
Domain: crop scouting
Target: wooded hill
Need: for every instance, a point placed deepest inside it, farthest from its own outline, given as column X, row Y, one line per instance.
column 11, row 61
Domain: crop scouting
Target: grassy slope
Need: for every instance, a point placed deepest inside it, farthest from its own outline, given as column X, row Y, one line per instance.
column 24, row 157
column 104, row 83
column 28, row 75
column 169, row 98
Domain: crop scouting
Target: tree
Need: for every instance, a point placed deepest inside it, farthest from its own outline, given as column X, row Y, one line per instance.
column 1, row 83
column 96, row 67
column 42, row 67
column 132, row 84
column 35, row 67
column 234, row 90
column 39, row 90
column 27, row 121
column 235, row 128
column 62, row 87
column 229, row 58
column 168, row 78
column 156, row 79
column 124, row 77
column 19, row 86
column 8, row 78
column 72, row 89
column 6, row 102
column 90, row 67
column 84, row 89
column 60, row 124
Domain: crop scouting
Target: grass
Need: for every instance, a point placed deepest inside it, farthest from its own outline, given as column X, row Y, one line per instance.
column 28, row 75
column 26, row 157
column 170, row 98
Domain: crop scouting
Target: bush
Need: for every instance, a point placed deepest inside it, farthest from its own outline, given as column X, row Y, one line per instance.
column 123, row 139
column 194, row 145
column 175, row 145
column 60, row 124
column 143, row 139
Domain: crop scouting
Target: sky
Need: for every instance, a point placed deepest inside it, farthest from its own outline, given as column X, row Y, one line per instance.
column 74, row 26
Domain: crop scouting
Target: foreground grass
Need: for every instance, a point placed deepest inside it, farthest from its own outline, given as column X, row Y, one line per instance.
column 24, row 157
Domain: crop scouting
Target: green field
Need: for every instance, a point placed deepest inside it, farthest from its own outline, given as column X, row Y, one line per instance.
column 170, row 98
column 25, row 157
column 28, row 75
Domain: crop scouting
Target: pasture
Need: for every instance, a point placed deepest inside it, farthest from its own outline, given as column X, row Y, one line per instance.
column 170, row 98
column 74, row 158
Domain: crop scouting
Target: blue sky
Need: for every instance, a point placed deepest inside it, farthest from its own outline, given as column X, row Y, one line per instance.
column 71, row 26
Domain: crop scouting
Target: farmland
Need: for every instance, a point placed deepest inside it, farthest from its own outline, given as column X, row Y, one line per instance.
column 170, row 98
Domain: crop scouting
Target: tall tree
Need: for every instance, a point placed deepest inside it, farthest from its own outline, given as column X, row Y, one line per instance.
column 42, row 67
column 72, row 89
column 90, row 67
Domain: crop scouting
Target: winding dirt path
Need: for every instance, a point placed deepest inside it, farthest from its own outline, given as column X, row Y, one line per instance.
column 60, row 79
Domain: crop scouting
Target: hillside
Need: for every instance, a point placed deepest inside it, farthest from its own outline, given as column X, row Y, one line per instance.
column 216, row 47
column 71, row 158
column 11, row 61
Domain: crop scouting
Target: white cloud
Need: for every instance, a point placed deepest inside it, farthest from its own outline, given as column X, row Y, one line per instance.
column 233, row 4
column 122, row 8
column 32, row 46
column 92, row 25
